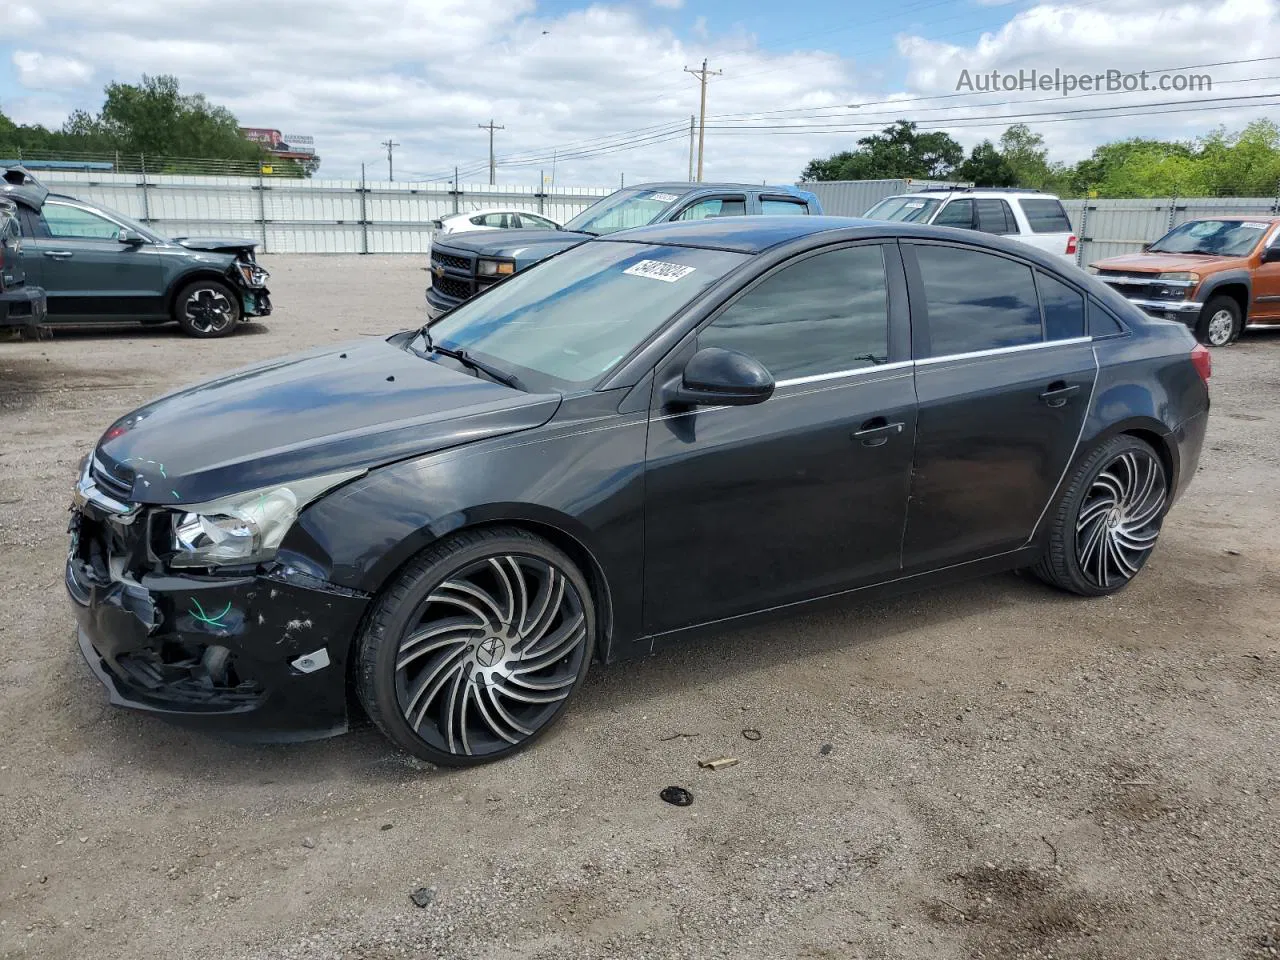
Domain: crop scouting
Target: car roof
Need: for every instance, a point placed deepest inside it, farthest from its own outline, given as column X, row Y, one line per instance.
column 977, row 192
column 684, row 186
column 484, row 210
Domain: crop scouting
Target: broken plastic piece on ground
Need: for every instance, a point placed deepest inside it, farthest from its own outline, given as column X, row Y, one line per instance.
column 677, row 796
column 422, row 896
column 718, row 764
column 752, row 734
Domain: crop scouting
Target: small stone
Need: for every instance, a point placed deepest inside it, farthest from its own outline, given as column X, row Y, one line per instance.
column 308, row 843
column 422, row 897
column 825, row 749
column 385, row 826
column 84, row 839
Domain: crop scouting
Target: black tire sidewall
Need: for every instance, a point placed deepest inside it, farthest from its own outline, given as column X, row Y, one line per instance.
column 1063, row 564
column 209, row 283
column 1210, row 308
column 379, row 641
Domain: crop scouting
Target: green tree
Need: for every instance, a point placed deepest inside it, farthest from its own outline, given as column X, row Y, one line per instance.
column 987, row 167
column 897, row 151
column 1026, row 155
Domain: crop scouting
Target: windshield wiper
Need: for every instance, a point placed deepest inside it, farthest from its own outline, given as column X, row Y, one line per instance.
column 467, row 360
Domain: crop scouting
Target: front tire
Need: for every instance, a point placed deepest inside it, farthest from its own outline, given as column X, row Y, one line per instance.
column 1221, row 322
column 207, row 309
column 1108, row 519
column 477, row 647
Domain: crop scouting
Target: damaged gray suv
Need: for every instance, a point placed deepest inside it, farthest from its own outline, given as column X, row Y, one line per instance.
column 99, row 266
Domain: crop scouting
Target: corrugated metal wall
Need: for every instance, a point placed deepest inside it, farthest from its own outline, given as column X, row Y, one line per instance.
column 307, row 216
column 853, row 198
column 1109, row 228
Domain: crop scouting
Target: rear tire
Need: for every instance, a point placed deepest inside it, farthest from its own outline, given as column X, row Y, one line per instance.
column 475, row 650
column 1106, row 523
column 1221, row 322
column 207, row 309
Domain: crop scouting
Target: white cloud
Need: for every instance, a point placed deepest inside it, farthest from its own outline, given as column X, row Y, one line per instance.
column 36, row 71
column 669, row 4
column 21, row 20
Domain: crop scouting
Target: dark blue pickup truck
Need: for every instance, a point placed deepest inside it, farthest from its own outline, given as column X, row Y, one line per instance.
column 469, row 263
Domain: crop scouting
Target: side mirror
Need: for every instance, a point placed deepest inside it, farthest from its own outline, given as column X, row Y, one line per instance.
column 130, row 237
column 718, row 377
column 1271, row 254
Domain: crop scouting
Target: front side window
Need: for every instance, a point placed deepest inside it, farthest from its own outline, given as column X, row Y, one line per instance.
column 572, row 318
column 715, row 207
column 903, row 209
column 823, row 314
column 783, row 208
column 977, row 301
column 1224, row 238
column 73, row 223
column 1063, row 308
column 1045, row 216
column 957, row 213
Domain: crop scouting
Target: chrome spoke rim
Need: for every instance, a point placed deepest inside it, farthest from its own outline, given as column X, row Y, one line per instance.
column 1220, row 326
column 1119, row 519
column 491, row 654
column 208, row 311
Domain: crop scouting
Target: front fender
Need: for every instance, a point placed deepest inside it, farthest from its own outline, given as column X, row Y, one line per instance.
column 1219, row 280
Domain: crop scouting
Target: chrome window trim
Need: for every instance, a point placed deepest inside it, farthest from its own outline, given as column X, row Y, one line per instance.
column 835, row 375
column 1001, row 351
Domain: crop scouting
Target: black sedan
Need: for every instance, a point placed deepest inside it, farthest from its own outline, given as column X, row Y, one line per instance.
column 668, row 430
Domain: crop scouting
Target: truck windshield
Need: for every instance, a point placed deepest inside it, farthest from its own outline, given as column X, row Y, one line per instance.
column 1222, row 238
column 621, row 211
column 567, row 321
column 903, row 209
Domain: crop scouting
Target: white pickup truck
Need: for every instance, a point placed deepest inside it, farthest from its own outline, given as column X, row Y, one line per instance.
column 1026, row 215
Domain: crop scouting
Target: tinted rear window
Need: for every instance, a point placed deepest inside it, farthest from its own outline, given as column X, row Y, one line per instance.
column 977, row 301
column 1046, row 216
column 1063, row 308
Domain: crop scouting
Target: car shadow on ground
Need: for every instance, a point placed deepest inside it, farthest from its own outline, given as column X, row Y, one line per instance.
column 839, row 627
column 82, row 333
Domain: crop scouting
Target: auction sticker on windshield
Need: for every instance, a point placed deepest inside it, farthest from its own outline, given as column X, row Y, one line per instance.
column 664, row 197
column 659, row 270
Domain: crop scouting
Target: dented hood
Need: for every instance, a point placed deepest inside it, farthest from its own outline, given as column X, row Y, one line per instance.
column 217, row 244
column 337, row 408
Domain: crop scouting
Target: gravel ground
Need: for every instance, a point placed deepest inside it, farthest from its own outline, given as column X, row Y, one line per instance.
column 986, row 770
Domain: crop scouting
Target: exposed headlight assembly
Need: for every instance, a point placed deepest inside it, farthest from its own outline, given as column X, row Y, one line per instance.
column 496, row 268
column 1180, row 276
column 252, row 274
column 245, row 528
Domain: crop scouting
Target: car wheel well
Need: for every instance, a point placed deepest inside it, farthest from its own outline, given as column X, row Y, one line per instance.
column 1237, row 292
column 184, row 281
column 1161, row 446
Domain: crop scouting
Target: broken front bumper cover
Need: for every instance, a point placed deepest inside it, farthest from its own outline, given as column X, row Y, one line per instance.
column 256, row 303
column 259, row 657
column 23, row 308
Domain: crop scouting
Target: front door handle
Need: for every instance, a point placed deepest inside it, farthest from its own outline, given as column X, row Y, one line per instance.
column 1059, row 392
column 877, row 431
column 59, row 254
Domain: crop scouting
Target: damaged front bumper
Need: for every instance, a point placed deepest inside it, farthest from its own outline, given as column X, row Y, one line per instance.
column 255, row 298
column 260, row 657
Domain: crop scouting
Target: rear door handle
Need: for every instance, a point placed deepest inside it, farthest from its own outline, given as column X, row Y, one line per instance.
column 1059, row 392
column 877, row 431
column 59, row 254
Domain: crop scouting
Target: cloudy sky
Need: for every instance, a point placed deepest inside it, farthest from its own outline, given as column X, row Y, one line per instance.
column 600, row 86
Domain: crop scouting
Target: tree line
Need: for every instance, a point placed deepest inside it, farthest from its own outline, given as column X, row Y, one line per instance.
column 1241, row 164
column 152, row 118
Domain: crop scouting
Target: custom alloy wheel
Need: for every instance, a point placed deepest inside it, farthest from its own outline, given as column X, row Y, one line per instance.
column 207, row 308
column 1220, row 322
column 1221, row 325
column 1119, row 519
column 1107, row 521
column 489, row 636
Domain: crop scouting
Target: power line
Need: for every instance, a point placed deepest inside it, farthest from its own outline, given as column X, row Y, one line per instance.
column 702, row 112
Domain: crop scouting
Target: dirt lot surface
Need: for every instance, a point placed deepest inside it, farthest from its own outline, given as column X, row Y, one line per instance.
column 987, row 770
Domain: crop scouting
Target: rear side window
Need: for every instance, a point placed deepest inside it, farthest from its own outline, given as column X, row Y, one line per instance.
column 825, row 314
column 977, row 301
column 994, row 216
column 957, row 213
column 1046, row 216
column 715, row 207
column 1102, row 322
column 784, row 208
column 1063, row 308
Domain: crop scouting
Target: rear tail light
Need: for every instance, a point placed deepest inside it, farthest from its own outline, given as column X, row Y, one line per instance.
column 1203, row 362
column 1071, row 245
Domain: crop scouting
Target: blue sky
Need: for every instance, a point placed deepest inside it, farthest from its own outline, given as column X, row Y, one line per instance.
column 599, row 85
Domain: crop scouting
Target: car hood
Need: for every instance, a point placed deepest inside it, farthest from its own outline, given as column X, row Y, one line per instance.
column 523, row 246
column 344, row 407
column 216, row 244
column 1164, row 263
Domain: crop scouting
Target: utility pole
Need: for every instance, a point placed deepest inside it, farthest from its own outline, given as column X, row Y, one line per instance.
column 390, row 145
column 702, row 114
column 691, row 148
column 492, row 166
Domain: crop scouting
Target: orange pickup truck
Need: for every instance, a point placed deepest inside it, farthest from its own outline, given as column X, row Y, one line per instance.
column 1215, row 275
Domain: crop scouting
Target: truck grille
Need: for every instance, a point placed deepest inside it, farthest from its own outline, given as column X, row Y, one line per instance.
column 113, row 484
column 451, row 261
column 452, row 287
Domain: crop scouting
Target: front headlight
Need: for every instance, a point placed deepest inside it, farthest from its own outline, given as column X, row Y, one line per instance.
column 245, row 528
column 252, row 274
column 496, row 268
column 1183, row 275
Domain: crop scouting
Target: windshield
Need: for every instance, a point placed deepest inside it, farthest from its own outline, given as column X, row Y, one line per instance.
column 904, row 209
column 1224, row 238
column 621, row 211
column 573, row 317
